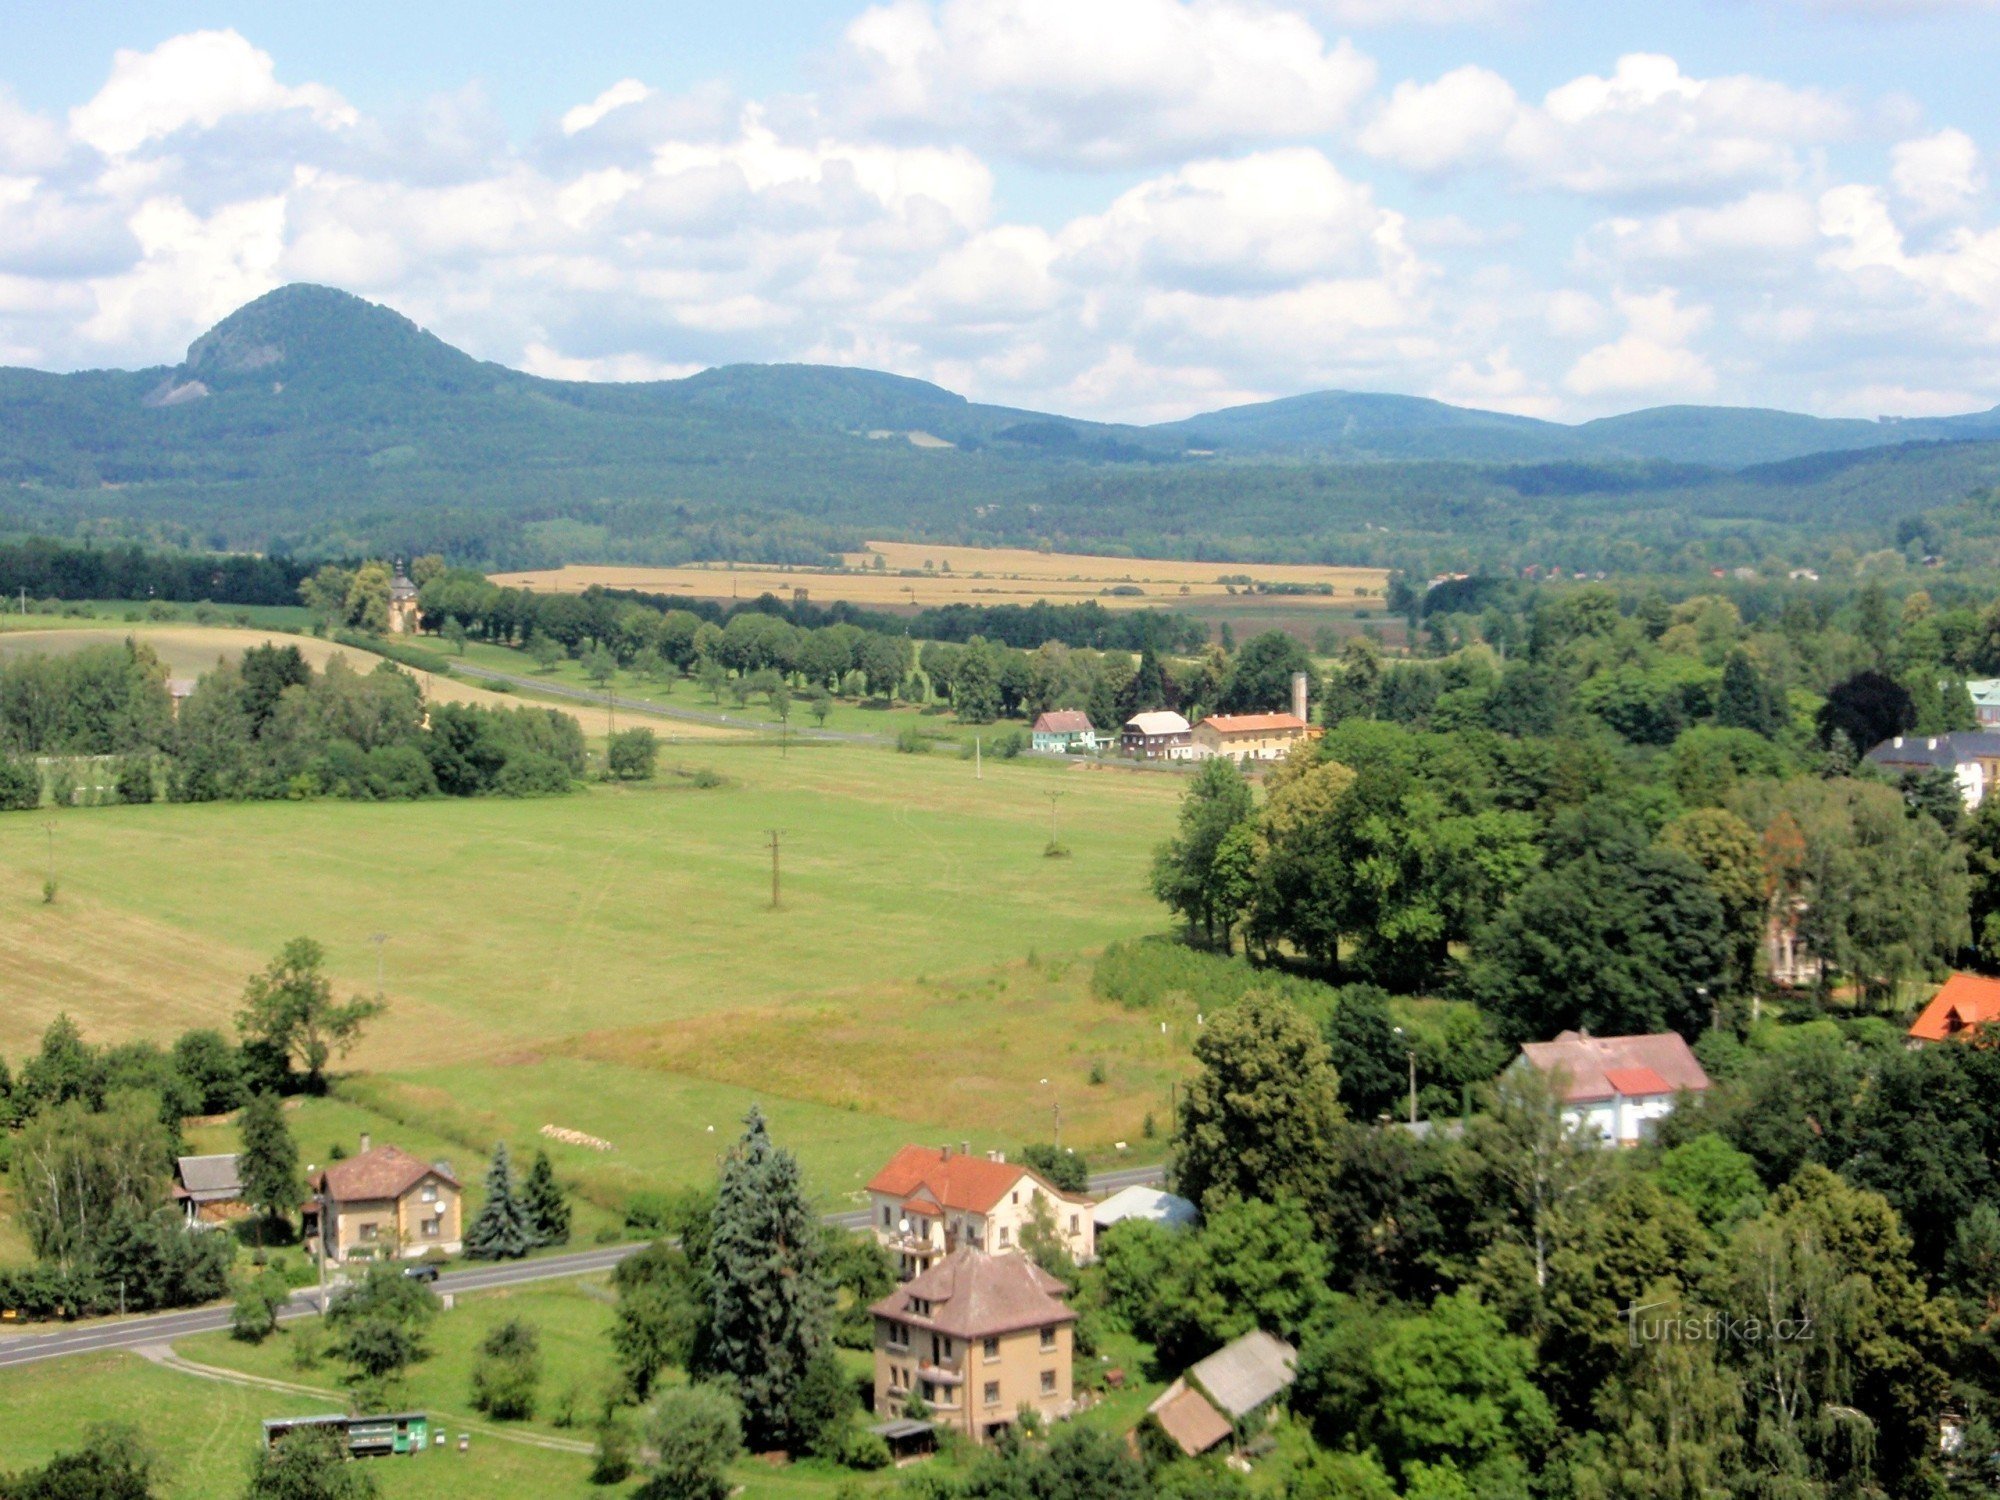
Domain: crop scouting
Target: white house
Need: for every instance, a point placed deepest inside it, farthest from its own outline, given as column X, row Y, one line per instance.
column 1158, row 736
column 1062, row 730
column 927, row 1203
column 1970, row 756
column 1619, row 1086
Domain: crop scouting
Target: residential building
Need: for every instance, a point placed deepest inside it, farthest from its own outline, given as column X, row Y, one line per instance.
column 1145, row 1205
column 1619, row 1086
column 384, row 1204
column 1157, row 736
column 978, row 1338
column 209, row 1190
column 1062, row 730
column 1971, row 757
column 1225, row 1396
column 1985, row 695
column 926, row 1204
column 403, row 614
column 1962, row 1004
column 1249, row 737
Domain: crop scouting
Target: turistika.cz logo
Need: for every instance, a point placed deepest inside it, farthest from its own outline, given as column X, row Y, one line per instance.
column 1710, row 1327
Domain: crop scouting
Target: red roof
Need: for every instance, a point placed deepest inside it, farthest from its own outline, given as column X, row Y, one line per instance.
column 1964, row 1001
column 1635, row 1083
column 385, row 1172
column 1064, row 721
column 1253, row 723
column 1588, row 1065
column 970, row 1184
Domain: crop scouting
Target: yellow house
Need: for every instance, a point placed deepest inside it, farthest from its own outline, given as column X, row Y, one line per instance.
column 384, row 1204
column 927, row 1203
column 977, row 1338
column 1247, row 737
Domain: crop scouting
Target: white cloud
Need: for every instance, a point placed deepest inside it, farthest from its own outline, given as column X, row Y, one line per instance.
column 1757, row 232
column 1646, row 128
column 1495, row 383
column 197, row 79
column 1416, row 12
column 1939, row 175
column 1107, row 84
column 618, row 96
column 1652, row 360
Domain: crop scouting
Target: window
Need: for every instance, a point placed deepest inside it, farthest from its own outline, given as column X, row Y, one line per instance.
column 1017, row 1197
column 1049, row 1339
column 430, row 1229
column 888, row 1217
column 1048, row 1382
column 430, row 1192
column 947, row 1348
column 369, row 1230
column 930, row 1391
column 990, row 1349
column 1003, row 1234
column 992, row 1393
column 1074, row 1224
column 899, row 1335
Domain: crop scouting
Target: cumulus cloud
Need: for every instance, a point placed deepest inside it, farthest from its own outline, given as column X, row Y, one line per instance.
column 1752, row 235
column 1939, row 175
column 1645, row 128
column 1651, row 360
column 198, row 79
column 1113, row 83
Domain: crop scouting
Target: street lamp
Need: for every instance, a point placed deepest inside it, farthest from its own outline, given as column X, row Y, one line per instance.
column 1056, row 1103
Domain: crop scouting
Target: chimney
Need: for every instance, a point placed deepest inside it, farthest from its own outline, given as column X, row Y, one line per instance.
column 944, row 1151
column 1299, row 695
column 965, row 1148
column 366, row 1142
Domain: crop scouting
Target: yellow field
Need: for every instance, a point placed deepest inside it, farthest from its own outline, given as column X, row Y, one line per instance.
column 190, row 650
column 919, row 575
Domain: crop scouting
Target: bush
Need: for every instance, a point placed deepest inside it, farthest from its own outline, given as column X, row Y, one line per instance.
column 863, row 1450
column 633, row 754
column 20, row 786
column 529, row 773
column 135, row 779
column 507, row 1371
column 913, row 741
column 612, row 1461
column 696, row 1433
column 1146, row 972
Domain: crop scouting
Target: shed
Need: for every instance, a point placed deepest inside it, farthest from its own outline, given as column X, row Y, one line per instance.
column 1149, row 1205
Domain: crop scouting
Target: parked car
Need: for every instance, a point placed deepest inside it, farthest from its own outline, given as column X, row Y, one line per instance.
column 422, row 1271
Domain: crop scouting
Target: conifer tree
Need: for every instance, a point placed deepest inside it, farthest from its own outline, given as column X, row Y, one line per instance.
column 501, row 1230
column 771, row 1302
column 269, row 1165
column 543, row 1202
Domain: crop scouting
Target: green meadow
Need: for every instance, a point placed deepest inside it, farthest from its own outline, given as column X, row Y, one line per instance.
column 610, row 962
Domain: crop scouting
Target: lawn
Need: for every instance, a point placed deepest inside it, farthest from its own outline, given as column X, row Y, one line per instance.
column 609, row 961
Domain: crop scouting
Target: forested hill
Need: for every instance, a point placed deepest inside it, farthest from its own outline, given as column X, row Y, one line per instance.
column 313, row 420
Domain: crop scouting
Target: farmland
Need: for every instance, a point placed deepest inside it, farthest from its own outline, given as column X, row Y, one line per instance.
column 916, row 575
column 609, row 962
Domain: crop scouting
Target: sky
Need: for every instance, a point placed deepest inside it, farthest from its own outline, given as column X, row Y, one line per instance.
column 1130, row 210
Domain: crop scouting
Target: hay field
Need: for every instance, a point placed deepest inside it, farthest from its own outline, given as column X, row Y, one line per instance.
column 190, row 650
column 980, row 575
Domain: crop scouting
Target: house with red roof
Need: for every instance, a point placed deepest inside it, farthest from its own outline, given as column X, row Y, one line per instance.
column 927, row 1203
column 1962, row 1004
column 383, row 1204
column 1062, row 731
column 1621, row 1087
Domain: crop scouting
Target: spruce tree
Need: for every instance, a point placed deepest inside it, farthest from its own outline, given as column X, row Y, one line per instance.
column 269, row 1164
column 543, row 1202
column 501, row 1230
column 771, row 1302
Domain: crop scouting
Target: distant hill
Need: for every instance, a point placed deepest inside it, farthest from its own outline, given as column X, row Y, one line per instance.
column 311, row 419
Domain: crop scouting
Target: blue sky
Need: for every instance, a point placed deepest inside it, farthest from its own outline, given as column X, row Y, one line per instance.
column 1119, row 208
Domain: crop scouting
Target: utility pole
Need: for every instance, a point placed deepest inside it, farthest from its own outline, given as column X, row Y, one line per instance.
column 1053, row 797
column 774, row 868
column 378, row 939
column 1413, row 1088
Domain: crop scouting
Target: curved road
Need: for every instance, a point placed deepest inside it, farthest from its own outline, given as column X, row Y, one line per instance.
column 160, row 1328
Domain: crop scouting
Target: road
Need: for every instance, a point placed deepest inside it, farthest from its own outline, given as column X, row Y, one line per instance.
column 161, row 1328
column 661, row 710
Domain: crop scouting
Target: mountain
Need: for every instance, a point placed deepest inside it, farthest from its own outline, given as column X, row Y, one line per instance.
column 311, row 419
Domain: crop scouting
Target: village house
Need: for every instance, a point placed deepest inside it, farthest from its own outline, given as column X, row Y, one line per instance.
column 926, row 1204
column 1255, row 737
column 1061, row 730
column 1224, row 1397
column 403, row 614
column 1971, row 757
column 383, row 1204
column 1962, row 1004
column 1621, row 1087
column 209, row 1190
column 977, row 1338
column 1157, row 736
column 1985, row 695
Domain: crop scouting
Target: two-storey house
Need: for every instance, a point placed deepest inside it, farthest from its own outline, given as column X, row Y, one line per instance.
column 927, row 1203
column 976, row 1338
column 384, row 1204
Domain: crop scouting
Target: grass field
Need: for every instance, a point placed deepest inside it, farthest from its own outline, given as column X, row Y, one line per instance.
column 609, row 962
column 916, row 575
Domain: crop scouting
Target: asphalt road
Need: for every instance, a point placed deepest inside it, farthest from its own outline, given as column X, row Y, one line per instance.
column 161, row 1328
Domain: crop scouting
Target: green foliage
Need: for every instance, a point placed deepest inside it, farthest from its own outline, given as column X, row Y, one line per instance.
column 310, row 1464
column 1202, row 873
column 1714, row 1179
column 502, row 1230
column 544, row 1204
column 376, row 1325
column 633, row 754
column 771, row 1302
column 1147, row 972
column 1063, row 1169
column 290, row 1013
column 695, row 1433
column 254, row 1317
column 112, row 1464
column 269, row 1161
column 508, row 1371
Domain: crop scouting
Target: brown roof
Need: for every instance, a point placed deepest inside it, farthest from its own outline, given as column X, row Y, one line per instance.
column 385, row 1172
column 973, row 1295
column 1588, row 1065
column 1965, row 1001
column 1186, row 1416
column 1064, row 721
column 969, row 1184
column 1252, row 723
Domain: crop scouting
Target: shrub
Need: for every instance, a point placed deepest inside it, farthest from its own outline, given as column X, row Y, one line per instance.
column 135, row 779
column 863, row 1450
column 20, row 786
column 1146, row 972
column 913, row 741
column 696, row 1433
column 507, row 1371
column 632, row 754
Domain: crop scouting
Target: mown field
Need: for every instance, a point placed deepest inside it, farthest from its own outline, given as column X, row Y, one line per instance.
column 917, row 575
column 609, row 961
